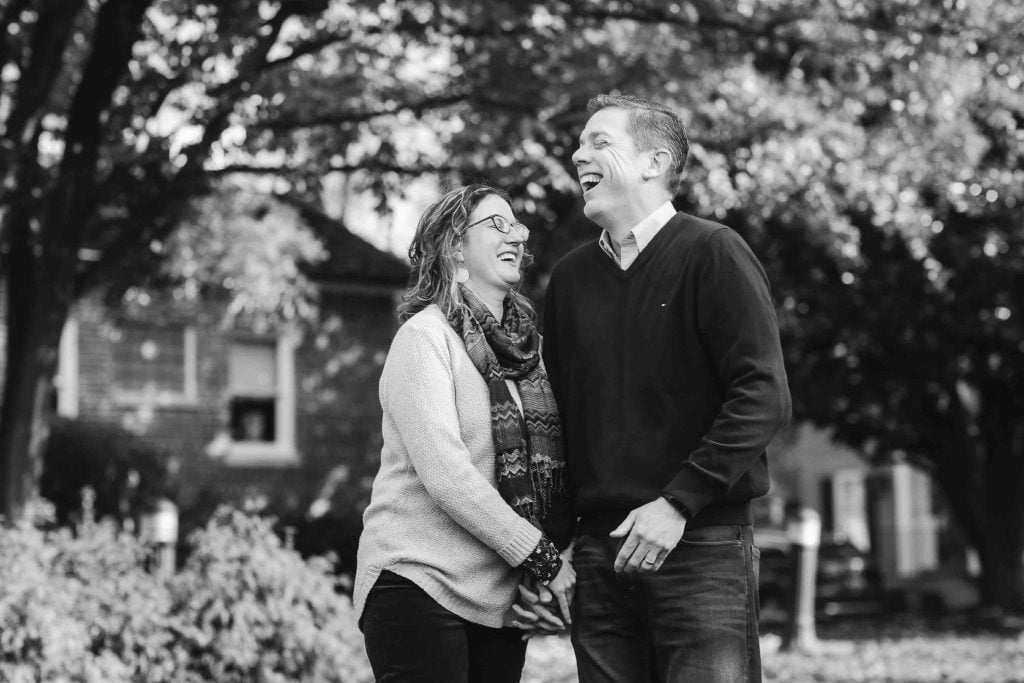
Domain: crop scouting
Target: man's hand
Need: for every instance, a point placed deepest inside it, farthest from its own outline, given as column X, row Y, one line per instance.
column 563, row 587
column 651, row 532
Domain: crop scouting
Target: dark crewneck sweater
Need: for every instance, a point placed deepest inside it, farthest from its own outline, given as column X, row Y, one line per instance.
column 668, row 375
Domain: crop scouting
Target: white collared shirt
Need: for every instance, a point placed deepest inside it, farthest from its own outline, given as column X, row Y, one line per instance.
column 639, row 237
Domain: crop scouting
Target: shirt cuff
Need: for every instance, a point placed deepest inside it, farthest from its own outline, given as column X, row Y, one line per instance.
column 544, row 562
column 678, row 505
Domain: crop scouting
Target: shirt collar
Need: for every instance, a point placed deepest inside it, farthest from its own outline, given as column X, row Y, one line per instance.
column 644, row 231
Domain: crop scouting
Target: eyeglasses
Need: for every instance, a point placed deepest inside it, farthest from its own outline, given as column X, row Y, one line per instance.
column 502, row 225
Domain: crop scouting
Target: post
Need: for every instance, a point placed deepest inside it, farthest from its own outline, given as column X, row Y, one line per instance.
column 804, row 530
column 158, row 528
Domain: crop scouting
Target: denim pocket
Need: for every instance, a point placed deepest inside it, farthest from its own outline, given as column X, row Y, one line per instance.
column 712, row 536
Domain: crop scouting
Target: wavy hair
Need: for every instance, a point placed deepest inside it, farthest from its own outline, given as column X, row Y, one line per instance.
column 432, row 254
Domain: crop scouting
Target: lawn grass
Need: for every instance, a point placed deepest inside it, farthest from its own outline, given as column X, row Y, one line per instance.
column 879, row 649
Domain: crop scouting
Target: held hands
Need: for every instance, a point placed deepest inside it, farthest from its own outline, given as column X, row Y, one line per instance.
column 651, row 532
column 544, row 610
column 532, row 611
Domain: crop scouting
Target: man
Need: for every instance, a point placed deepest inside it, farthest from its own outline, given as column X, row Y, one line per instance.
column 662, row 347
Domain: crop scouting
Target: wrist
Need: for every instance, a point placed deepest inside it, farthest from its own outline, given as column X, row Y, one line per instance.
column 678, row 505
column 544, row 563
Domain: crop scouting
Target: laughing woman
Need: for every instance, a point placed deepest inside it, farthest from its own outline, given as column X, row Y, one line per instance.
column 469, row 495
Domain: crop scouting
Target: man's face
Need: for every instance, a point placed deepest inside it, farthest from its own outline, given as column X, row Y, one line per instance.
column 610, row 169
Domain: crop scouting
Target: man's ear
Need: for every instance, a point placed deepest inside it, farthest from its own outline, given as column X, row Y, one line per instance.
column 660, row 161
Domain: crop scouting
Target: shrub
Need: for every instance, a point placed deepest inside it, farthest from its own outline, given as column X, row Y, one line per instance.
column 80, row 607
column 256, row 611
column 123, row 470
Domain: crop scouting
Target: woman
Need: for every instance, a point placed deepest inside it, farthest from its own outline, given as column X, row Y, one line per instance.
column 472, row 462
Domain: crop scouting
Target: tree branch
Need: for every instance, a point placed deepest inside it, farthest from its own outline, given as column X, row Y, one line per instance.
column 156, row 219
column 340, row 168
column 49, row 42
column 708, row 15
column 9, row 16
column 248, row 70
column 118, row 27
column 340, row 118
column 309, row 47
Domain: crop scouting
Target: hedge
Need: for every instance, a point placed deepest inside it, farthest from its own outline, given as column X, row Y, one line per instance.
column 78, row 605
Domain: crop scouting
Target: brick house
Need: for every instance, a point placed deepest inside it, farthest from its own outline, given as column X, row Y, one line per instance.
column 272, row 419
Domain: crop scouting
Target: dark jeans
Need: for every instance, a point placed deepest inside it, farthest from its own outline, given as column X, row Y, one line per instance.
column 694, row 620
column 409, row 637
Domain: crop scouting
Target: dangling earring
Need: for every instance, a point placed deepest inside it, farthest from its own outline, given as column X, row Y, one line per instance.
column 461, row 273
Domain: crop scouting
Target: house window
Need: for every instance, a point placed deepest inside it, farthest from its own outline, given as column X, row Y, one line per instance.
column 261, row 402
column 254, row 391
column 154, row 364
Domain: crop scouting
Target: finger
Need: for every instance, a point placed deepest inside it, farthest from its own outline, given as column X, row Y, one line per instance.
column 529, row 596
column 626, row 552
column 626, row 555
column 550, row 618
column 648, row 561
column 545, row 594
column 635, row 561
column 623, row 529
column 525, row 614
column 563, row 604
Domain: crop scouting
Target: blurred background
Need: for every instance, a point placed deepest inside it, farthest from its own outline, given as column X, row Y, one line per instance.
column 205, row 207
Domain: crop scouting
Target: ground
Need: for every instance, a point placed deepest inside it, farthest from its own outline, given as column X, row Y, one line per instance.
column 905, row 649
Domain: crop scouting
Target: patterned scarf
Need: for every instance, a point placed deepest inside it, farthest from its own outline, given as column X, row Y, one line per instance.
column 528, row 445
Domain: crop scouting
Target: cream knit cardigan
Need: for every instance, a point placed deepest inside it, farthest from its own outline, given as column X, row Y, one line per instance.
column 435, row 516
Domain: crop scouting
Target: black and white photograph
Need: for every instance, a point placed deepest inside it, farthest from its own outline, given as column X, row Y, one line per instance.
column 507, row 341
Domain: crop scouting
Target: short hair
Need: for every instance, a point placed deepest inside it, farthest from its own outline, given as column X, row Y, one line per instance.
column 432, row 253
column 651, row 124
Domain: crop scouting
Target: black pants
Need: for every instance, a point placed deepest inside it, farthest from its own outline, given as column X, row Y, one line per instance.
column 409, row 637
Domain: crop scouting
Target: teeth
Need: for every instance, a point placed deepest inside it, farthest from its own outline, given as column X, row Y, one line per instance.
column 589, row 180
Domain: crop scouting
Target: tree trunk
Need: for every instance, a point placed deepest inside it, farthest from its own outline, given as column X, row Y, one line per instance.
column 35, row 319
column 994, row 526
column 1002, row 578
column 23, row 424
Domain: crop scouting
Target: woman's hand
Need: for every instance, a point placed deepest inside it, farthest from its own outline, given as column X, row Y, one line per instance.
column 532, row 611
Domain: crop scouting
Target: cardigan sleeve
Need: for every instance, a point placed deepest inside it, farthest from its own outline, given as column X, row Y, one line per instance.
column 737, row 322
column 419, row 395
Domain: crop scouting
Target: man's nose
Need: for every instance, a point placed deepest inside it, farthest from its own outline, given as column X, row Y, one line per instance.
column 579, row 156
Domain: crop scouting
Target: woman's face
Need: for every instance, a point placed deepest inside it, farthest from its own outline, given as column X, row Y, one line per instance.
column 494, row 259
